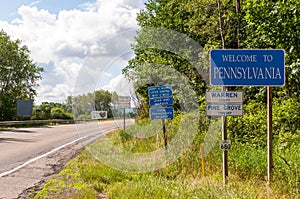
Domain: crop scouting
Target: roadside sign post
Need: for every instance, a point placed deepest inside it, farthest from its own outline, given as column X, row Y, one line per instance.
column 124, row 120
column 270, row 133
column 124, row 102
column 161, row 101
column 258, row 67
column 165, row 132
column 225, row 153
column 224, row 103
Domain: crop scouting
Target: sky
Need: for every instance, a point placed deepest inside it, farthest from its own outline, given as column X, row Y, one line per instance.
column 82, row 45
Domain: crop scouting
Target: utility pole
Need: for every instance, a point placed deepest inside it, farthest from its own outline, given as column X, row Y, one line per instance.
column 224, row 118
column 238, row 11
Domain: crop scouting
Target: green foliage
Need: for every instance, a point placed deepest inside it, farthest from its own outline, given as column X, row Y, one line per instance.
column 99, row 100
column 281, row 30
column 51, row 110
column 252, row 127
column 160, row 57
column 248, row 161
column 18, row 76
column 58, row 113
column 175, row 44
column 67, row 184
column 292, row 86
column 86, row 176
column 203, row 21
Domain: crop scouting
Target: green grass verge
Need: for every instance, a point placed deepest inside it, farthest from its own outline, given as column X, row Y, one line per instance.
column 87, row 177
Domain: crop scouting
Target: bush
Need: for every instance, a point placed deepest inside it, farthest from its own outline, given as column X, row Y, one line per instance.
column 252, row 127
column 58, row 113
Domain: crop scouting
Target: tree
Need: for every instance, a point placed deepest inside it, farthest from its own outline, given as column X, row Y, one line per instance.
column 100, row 100
column 281, row 30
column 59, row 113
column 177, row 34
column 18, row 75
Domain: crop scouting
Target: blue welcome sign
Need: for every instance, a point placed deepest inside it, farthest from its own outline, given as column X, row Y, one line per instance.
column 247, row 67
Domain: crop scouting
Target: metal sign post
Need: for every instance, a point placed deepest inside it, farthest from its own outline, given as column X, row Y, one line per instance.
column 124, row 120
column 225, row 153
column 270, row 133
column 165, row 133
column 218, row 104
column 124, row 102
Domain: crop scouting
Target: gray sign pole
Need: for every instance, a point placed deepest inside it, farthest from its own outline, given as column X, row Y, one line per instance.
column 124, row 121
column 225, row 153
column 270, row 133
column 165, row 132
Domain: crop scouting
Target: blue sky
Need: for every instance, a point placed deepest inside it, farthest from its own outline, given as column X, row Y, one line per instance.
column 9, row 9
column 74, row 41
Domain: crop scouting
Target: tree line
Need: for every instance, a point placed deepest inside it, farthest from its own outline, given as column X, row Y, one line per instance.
column 220, row 24
column 19, row 75
column 250, row 24
column 80, row 107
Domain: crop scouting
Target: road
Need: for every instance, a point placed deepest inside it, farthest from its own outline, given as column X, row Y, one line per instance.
column 30, row 155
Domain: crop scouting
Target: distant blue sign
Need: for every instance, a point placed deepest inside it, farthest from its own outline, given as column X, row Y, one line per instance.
column 159, row 92
column 161, row 101
column 247, row 67
column 24, row 108
column 161, row 113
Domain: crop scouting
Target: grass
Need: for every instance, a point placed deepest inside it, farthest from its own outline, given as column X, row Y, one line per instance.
column 87, row 177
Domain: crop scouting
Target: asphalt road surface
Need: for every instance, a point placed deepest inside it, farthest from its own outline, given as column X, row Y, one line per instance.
column 29, row 156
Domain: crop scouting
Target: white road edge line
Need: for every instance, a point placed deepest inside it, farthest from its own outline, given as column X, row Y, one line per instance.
column 48, row 153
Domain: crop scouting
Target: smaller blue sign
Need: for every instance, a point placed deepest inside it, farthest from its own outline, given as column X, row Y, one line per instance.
column 161, row 113
column 159, row 91
column 161, row 101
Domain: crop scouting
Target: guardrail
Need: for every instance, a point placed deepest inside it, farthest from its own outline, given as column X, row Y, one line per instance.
column 55, row 121
column 58, row 121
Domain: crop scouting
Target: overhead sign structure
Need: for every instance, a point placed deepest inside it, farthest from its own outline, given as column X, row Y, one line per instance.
column 247, row 67
column 224, row 103
column 157, row 113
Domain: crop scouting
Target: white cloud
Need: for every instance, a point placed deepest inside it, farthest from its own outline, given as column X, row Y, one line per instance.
column 34, row 3
column 120, row 85
column 62, row 42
